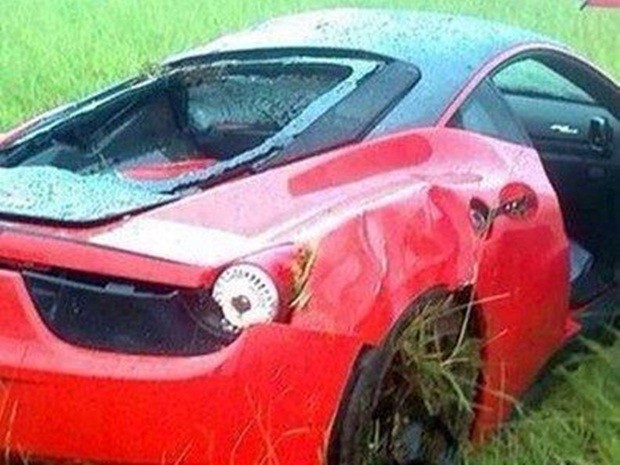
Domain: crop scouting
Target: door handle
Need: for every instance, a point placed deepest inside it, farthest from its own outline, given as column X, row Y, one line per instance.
column 516, row 201
column 481, row 216
column 600, row 136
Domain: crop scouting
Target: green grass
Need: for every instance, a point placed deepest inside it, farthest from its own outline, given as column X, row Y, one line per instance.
column 55, row 50
column 52, row 51
column 577, row 422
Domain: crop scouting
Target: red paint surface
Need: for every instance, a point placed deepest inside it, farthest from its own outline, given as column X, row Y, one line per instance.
column 604, row 3
column 237, row 406
column 167, row 170
column 386, row 221
column 368, row 161
column 381, row 238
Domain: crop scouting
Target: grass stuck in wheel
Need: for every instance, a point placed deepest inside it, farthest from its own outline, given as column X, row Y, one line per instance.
column 424, row 406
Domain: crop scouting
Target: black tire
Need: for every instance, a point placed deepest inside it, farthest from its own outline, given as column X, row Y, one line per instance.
column 387, row 420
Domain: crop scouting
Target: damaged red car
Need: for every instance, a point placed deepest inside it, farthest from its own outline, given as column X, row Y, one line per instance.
column 340, row 237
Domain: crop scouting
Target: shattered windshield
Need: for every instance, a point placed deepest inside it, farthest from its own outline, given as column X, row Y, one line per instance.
column 167, row 136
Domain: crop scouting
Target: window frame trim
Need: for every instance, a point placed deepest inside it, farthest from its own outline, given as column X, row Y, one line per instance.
column 554, row 59
column 517, row 52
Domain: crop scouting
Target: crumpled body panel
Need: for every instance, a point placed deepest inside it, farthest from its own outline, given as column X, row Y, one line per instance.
column 420, row 236
column 384, row 222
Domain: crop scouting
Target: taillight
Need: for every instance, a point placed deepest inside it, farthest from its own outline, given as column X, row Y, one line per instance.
column 139, row 318
column 247, row 296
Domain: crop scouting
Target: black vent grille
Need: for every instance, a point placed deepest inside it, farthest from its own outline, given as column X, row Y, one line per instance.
column 119, row 316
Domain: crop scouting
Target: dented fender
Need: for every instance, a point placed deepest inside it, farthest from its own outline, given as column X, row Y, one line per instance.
column 422, row 234
column 368, row 272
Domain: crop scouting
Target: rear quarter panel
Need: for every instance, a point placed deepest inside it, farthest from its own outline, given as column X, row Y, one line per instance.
column 410, row 231
column 383, row 222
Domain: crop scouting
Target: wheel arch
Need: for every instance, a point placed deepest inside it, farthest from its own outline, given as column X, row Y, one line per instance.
column 372, row 359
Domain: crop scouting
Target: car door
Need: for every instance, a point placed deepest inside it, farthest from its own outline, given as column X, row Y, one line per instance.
column 570, row 111
column 522, row 275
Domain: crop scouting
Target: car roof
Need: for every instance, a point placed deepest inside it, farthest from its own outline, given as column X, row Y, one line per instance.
column 447, row 49
column 412, row 36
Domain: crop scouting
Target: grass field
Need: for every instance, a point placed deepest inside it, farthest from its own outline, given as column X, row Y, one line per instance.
column 52, row 51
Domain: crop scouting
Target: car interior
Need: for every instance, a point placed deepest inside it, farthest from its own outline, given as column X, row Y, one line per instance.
column 571, row 115
column 195, row 119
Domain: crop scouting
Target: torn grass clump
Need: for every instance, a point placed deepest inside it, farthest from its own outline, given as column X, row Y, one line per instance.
column 425, row 404
column 301, row 268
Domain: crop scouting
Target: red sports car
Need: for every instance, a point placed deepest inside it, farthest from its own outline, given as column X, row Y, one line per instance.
column 340, row 237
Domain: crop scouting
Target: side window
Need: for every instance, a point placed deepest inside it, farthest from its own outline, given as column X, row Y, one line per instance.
column 567, row 107
column 531, row 78
column 486, row 112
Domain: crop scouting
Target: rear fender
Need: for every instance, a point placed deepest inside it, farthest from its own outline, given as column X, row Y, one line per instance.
column 419, row 236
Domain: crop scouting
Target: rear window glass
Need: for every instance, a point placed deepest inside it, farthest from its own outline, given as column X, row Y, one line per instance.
column 154, row 140
column 261, row 98
column 237, row 109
